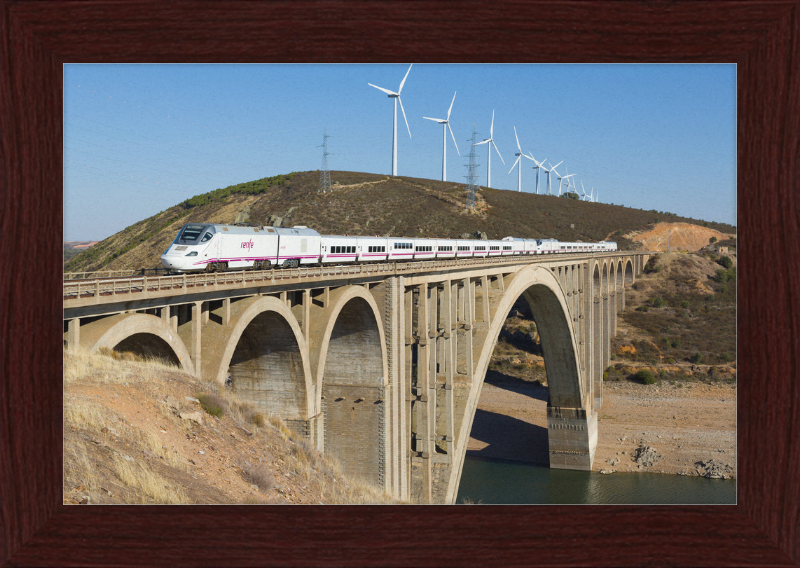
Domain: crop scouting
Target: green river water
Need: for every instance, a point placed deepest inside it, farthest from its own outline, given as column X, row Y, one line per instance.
column 493, row 481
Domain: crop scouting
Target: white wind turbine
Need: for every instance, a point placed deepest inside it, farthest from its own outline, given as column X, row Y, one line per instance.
column 583, row 189
column 566, row 177
column 519, row 156
column 561, row 180
column 550, row 177
column 396, row 97
column 537, row 167
column 491, row 143
column 445, row 122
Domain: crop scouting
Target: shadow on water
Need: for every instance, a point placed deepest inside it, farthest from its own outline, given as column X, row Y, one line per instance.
column 508, row 438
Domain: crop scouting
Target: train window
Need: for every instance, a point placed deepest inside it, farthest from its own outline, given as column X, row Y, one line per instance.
column 191, row 232
column 206, row 237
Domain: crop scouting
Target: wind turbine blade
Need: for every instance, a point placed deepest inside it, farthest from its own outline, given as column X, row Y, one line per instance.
column 387, row 91
column 517, row 137
column 484, row 142
column 404, row 111
column 541, row 164
column 515, row 165
column 558, row 164
column 451, row 105
column 498, row 151
column 491, row 128
column 454, row 138
column 403, row 82
column 439, row 120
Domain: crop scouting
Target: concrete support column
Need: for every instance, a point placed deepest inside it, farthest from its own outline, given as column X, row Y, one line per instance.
column 226, row 311
column 449, row 358
column 405, row 467
column 196, row 347
column 571, row 437
column 435, row 346
column 73, row 333
column 204, row 307
column 306, row 314
column 469, row 323
column 423, row 389
column 485, row 299
column 164, row 313
column 395, row 393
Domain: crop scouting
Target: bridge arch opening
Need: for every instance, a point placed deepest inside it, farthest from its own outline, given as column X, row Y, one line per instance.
column 536, row 343
column 266, row 369
column 352, row 391
column 620, row 289
column 148, row 346
column 628, row 273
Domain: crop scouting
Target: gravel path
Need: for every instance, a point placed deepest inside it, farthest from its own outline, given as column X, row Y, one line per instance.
column 696, row 423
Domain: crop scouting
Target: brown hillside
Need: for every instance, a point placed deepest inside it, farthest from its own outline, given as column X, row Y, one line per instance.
column 370, row 204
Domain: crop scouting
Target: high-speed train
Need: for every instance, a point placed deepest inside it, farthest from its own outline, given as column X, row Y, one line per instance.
column 212, row 247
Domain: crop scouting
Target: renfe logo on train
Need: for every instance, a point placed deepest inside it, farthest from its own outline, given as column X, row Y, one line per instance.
column 247, row 244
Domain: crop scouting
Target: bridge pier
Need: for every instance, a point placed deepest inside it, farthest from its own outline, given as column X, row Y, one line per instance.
column 571, row 437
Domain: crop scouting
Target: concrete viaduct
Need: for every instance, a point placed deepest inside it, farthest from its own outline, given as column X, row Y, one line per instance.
column 380, row 365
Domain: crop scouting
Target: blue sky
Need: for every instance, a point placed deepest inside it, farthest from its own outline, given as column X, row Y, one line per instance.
column 141, row 138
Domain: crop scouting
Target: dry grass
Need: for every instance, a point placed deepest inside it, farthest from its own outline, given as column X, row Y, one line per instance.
column 126, row 442
column 146, row 482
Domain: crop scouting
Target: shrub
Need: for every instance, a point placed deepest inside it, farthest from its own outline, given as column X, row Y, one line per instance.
column 613, row 356
column 697, row 357
column 725, row 261
column 684, row 304
column 260, row 476
column 658, row 302
column 645, row 377
column 212, row 404
column 676, row 342
column 642, row 309
column 712, row 240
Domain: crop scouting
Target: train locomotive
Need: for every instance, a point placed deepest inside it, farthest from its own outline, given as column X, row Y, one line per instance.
column 214, row 247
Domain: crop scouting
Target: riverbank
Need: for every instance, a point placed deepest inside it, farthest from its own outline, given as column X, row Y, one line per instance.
column 685, row 425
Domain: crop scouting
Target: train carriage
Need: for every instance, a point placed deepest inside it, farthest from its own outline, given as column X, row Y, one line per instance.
column 336, row 249
column 480, row 248
column 401, row 248
column 297, row 245
column 424, row 249
column 372, row 249
column 445, row 248
column 463, row 248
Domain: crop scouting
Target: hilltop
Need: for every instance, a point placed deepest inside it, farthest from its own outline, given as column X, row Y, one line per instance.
column 370, row 204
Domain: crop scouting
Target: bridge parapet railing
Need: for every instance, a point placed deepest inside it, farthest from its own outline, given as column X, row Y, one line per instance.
column 100, row 285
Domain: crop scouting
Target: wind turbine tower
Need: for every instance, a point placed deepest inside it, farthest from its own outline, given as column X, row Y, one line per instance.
column 490, row 142
column 537, row 167
column 445, row 122
column 550, row 177
column 519, row 156
column 396, row 97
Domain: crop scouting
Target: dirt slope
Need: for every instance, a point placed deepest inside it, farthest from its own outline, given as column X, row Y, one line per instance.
column 136, row 432
column 683, row 237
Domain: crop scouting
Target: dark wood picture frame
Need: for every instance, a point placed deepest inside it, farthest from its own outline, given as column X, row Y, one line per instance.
column 762, row 38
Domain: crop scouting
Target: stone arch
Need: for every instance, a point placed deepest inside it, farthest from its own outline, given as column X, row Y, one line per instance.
column 620, row 288
column 629, row 276
column 142, row 334
column 266, row 356
column 351, row 376
column 551, row 308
